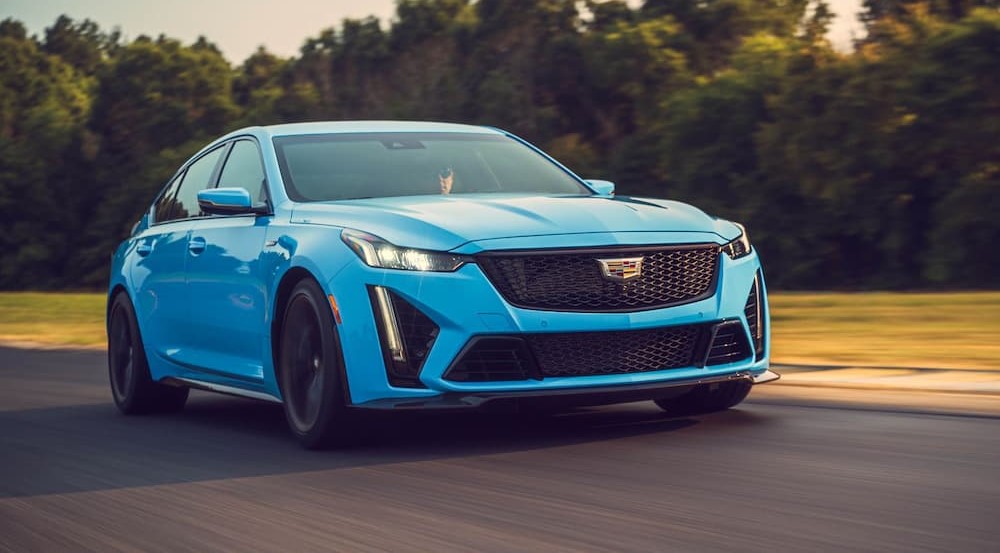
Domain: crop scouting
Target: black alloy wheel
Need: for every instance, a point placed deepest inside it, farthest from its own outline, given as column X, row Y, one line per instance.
column 132, row 387
column 311, row 370
column 707, row 398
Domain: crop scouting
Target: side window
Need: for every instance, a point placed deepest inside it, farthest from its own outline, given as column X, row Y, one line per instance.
column 244, row 170
column 197, row 178
column 166, row 207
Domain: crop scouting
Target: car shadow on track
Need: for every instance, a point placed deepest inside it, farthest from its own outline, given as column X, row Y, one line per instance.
column 92, row 447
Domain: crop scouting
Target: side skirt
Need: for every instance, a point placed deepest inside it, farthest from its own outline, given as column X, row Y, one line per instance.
column 219, row 388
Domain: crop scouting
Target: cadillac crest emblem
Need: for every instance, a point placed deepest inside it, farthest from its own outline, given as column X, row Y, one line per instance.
column 620, row 270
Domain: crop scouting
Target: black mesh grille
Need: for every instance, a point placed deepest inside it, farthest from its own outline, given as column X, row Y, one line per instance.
column 573, row 281
column 634, row 351
column 729, row 344
column 753, row 311
column 580, row 354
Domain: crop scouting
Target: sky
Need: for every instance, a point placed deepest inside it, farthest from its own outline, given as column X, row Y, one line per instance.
column 238, row 27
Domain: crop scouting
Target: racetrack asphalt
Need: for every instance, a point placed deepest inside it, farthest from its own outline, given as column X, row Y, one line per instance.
column 785, row 471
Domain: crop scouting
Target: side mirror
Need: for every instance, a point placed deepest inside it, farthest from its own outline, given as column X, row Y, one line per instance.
column 602, row 187
column 225, row 201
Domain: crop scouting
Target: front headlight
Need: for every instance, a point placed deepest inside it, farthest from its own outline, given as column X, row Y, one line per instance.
column 739, row 247
column 376, row 252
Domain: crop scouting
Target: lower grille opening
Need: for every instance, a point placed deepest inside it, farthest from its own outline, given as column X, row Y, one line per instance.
column 416, row 332
column 549, row 355
column 618, row 352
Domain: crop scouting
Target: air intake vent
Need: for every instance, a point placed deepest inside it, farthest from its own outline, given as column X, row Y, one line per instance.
column 493, row 359
column 754, row 311
column 406, row 334
column 728, row 345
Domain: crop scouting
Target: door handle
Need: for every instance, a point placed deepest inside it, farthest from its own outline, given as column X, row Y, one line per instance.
column 196, row 245
column 144, row 248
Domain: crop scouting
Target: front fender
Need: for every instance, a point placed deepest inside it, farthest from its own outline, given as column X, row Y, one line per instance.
column 119, row 274
column 317, row 250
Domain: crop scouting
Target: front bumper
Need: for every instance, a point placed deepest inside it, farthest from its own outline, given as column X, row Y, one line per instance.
column 464, row 305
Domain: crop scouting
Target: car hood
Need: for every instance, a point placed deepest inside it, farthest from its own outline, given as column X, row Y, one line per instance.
column 446, row 222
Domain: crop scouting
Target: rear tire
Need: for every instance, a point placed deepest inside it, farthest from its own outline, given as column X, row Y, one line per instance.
column 707, row 398
column 310, row 368
column 133, row 389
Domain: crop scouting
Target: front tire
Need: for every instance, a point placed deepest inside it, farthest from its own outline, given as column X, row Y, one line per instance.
column 707, row 398
column 133, row 389
column 311, row 370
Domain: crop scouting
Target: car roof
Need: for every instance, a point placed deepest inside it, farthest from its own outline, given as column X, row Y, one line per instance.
column 332, row 127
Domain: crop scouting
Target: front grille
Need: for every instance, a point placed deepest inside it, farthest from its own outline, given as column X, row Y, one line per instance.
column 572, row 280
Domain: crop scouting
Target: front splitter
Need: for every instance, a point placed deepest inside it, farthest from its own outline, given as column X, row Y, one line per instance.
column 564, row 397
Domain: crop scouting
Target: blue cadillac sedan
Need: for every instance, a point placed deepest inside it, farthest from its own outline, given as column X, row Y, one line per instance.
column 336, row 267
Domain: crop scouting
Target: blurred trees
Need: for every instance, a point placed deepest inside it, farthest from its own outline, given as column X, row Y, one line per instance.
column 45, row 104
column 157, row 102
column 876, row 168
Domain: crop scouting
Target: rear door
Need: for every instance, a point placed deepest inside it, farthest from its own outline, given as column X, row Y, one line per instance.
column 163, row 251
column 158, row 274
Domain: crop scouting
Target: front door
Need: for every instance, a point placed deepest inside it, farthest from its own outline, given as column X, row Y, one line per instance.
column 227, row 290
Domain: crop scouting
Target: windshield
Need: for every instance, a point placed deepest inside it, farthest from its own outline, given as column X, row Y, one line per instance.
column 378, row 165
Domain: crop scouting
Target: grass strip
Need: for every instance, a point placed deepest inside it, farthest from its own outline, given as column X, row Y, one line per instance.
column 937, row 330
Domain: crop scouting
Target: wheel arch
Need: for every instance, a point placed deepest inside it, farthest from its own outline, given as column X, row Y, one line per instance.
column 112, row 295
column 283, row 292
column 289, row 280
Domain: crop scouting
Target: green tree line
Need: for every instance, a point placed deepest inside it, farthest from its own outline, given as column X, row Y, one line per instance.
column 876, row 168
